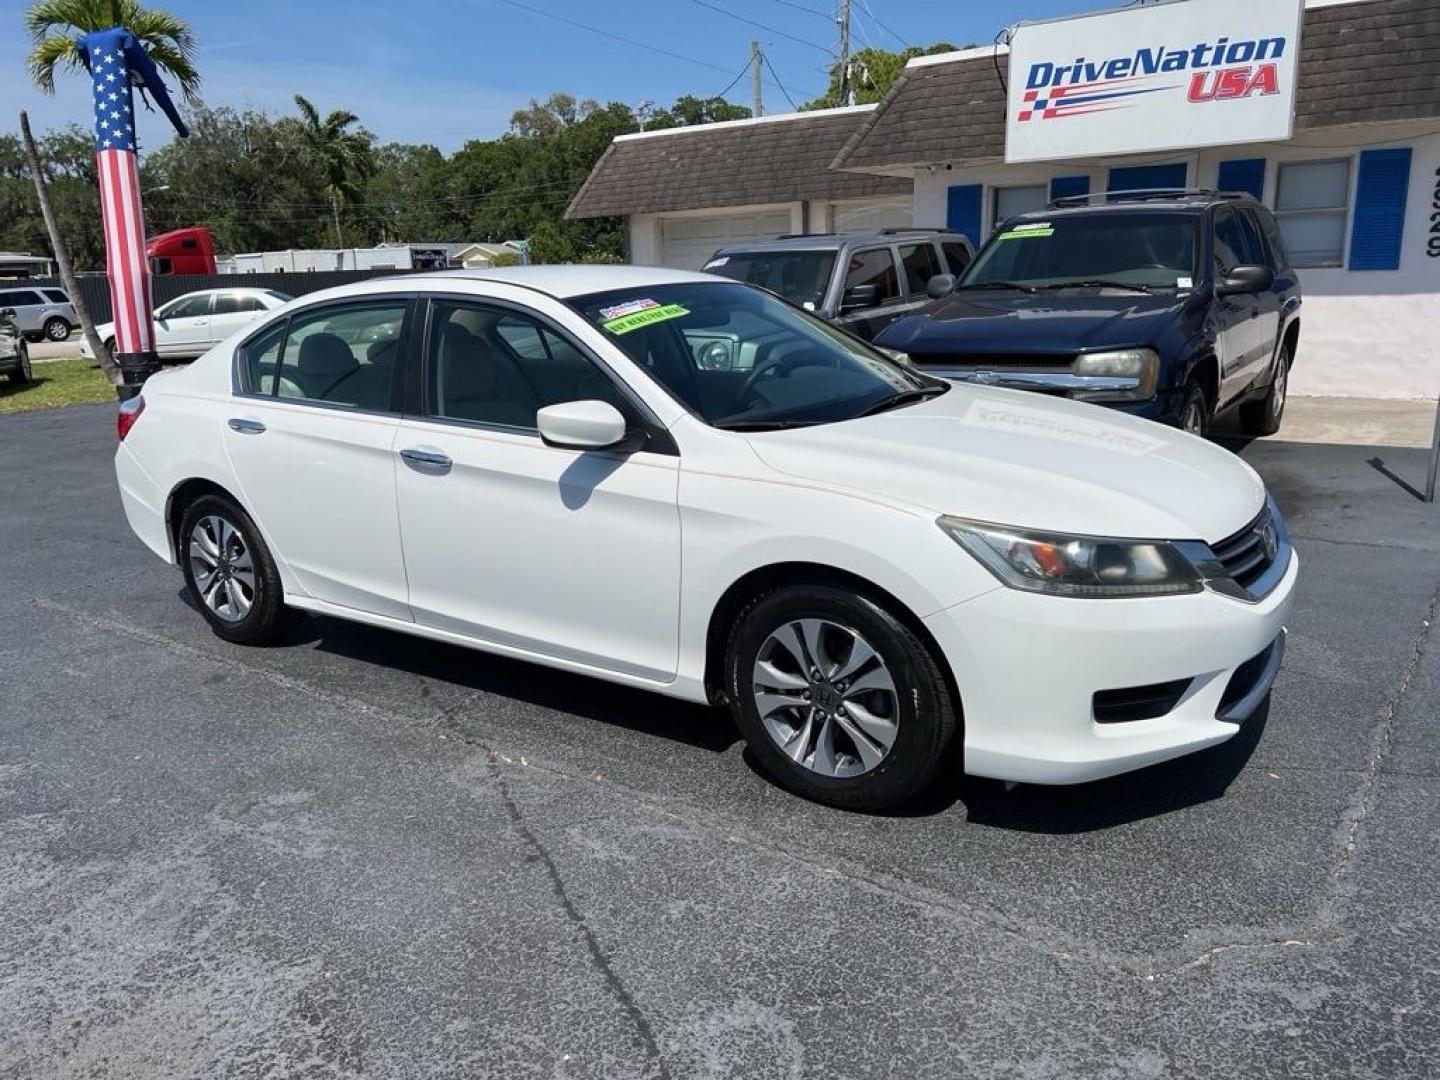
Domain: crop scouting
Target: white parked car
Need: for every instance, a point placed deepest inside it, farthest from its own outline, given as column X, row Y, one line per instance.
column 681, row 483
column 189, row 325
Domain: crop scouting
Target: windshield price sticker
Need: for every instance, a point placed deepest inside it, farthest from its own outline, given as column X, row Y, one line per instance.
column 647, row 313
column 627, row 308
column 1025, row 232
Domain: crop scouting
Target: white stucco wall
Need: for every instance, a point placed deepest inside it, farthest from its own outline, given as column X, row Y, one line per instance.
column 1364, row 333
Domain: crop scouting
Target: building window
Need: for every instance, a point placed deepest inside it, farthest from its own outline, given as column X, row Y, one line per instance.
column 1010, row 201
column 1312, row 199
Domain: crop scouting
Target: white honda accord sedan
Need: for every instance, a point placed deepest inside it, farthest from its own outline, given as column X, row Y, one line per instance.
column 681, row 483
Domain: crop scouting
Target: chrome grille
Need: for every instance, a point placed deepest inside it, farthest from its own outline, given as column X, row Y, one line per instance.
column 1246, row 555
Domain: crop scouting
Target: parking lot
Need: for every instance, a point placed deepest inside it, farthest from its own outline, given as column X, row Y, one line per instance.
column 361, row 854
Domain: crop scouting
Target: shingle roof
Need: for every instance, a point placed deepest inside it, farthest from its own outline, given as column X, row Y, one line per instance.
column 1362, row 62
column 775, row 160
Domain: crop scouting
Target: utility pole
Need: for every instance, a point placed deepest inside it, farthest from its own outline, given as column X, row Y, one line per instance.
column 758, row 107
column 847, row 85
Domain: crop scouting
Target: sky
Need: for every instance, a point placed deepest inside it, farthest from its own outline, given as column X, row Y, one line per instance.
column 446, row 71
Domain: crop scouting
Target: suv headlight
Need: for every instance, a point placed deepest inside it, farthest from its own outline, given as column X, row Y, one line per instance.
column 1075, row 566
column 1143, row 365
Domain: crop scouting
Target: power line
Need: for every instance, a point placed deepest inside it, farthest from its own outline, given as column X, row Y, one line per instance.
column 875, row 19
column 801, row 7
column 763, row 26
column 778, row 83
column 738, row 76
column 613, row 36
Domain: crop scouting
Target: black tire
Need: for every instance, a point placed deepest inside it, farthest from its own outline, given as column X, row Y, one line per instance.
column 266, row 616
column 57, row 329
column 925, row 716
column 22, row 375
column 1264, row 417
column 1195, row 410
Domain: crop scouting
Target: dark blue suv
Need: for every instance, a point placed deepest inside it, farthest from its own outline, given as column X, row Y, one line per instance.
column 1173, row 305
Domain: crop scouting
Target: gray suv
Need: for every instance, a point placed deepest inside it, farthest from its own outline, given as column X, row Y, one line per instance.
column 859, row 281
column 41, row 311
column 14, row 353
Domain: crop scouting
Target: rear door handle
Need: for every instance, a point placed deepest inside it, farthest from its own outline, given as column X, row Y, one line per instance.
column 427, row 459
column 246, row 426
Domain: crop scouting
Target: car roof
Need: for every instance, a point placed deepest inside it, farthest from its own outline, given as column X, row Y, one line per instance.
column 1179, row 202
column 836, row 241
column 564, row 281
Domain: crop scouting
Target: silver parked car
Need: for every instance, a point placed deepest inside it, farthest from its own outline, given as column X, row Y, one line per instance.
column 41, row 312
column 14, row 353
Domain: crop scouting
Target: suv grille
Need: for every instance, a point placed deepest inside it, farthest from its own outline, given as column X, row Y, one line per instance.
column 1247, row 554
column 1046, row 362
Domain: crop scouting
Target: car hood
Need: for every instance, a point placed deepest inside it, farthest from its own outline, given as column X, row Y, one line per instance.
column 1000, row 322
column 1021, row 459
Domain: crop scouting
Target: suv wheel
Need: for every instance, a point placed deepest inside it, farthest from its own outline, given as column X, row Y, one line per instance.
column 230, row 573
column 838, row 699
column 57, row 329
column 1263, row 417
column 22, row 375
column 1195, row 410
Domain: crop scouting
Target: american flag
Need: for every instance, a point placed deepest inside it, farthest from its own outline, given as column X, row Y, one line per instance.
column 124, row 222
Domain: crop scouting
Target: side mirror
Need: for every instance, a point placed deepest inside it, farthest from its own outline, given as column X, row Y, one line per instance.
column 7, row 313
column 582, row 425
column 1246, row 279
column 939, row 286
column 860, row 296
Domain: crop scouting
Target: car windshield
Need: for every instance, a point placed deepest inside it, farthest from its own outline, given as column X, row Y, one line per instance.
column 742, row 359
column 799, row 276
column 1142, row 251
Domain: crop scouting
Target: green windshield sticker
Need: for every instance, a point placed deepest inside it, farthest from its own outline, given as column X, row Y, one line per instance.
column 1025, row 234
column 635, row 321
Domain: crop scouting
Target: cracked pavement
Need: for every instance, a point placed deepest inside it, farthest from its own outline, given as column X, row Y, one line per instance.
column 360, row 854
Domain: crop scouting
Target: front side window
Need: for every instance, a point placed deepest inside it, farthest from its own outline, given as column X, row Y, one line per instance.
column 921, row 264
column 1142, row 250
column 22, row 298
column 491, row 365
column 344, row 356
column 875, row 267
column 742, row 359
column 1312, row 199
column 958, row 256
column 802, row 277
column 1229, row 243
column 187, row 307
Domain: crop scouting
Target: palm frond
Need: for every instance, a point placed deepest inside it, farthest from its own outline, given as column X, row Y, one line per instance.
column 48, row 53
column 166, row 37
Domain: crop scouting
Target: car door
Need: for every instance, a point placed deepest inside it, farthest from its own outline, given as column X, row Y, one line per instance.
column 182, row 327
column 871, row 267
column 1268, row 302
column 310, row 435
column 233, row 311
column 568, row 554
column 1237, row 316
column 29, row 308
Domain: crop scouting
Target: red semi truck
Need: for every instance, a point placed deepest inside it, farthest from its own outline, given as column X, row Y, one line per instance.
column 182, row 251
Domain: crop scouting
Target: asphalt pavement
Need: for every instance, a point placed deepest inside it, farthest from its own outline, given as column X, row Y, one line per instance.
column 361, row 854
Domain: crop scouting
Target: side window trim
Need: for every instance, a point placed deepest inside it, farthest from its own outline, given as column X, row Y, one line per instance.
column 415, row 405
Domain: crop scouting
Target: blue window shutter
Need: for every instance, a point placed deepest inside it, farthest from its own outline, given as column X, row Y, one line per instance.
column 1066, row 187
column 1143, row 177
column 1247, row 174
column 1380, row 209
column 962, row 211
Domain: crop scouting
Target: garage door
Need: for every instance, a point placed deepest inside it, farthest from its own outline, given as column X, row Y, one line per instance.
column 869, row 215
column 686, row 243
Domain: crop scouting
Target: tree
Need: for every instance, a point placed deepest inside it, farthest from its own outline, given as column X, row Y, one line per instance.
column 346, row 157
column 874, row 72
column 53, row 26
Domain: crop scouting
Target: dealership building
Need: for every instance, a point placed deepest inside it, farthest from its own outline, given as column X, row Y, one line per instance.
column 1329, row 114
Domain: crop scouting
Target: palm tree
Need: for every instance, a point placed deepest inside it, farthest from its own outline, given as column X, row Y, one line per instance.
column 346, row 157
column 53, row 26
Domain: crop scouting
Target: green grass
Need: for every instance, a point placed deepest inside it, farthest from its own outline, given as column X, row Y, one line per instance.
column 56, row 383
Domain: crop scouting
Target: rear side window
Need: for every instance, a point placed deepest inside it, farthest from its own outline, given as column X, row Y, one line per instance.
column 230, row 304
column 874, row 267
column 958, row 256
column 921, row 264
column 56, row 296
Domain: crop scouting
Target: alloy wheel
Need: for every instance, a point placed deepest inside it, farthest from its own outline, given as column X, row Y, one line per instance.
column 826, row 698
column 222, row 567
column 26, row 374
column 1194, row 419
column 57, row 330
column 1281, row 386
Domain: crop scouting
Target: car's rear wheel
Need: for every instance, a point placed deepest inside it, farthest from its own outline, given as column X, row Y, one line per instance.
column 838, row 699
column 1264, row 417
column 22, row 373
column 230, row 572
column 1194, row 414
column 57, row 329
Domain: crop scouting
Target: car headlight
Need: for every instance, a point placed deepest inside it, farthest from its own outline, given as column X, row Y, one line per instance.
column 1143, row 365
column 1075, row 566
column 716, row 356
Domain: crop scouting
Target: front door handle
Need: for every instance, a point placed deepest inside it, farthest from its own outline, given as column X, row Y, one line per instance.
column 426, row 459
column 246, row 426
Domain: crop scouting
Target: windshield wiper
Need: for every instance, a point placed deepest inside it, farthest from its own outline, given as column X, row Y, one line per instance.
column 997, row 285
column 761, row 425
column 1102, row 283
column 903, row 397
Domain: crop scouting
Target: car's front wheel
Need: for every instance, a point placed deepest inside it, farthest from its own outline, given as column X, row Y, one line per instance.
column 57, row 329
column 1194, row 414
column 230, row 572
column 838, row 699
column 22, row 374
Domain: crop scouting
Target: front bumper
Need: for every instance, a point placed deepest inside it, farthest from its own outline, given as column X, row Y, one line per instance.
column 1028, row 668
